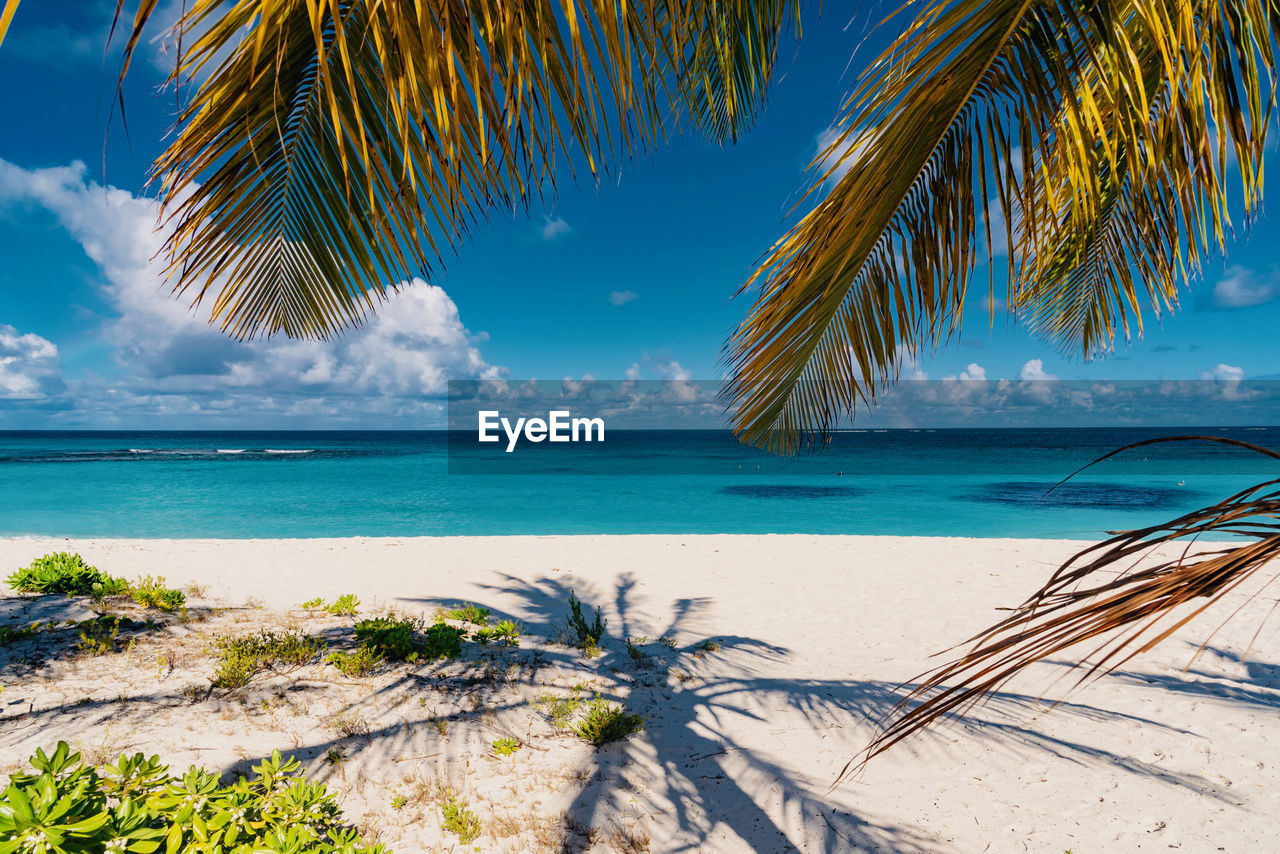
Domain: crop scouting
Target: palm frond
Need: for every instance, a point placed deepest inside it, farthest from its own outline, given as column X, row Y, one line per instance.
column 335, row 148
column 1104, row 593
column 6, row 15
column 1098, row 133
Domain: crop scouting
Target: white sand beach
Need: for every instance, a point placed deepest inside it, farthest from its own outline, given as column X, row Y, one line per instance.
column 742, row 740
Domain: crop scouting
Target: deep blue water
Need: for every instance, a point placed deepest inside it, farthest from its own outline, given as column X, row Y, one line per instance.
column 986, row 483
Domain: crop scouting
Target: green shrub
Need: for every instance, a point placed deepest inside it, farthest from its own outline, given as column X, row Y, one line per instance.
column 588, row 634
column 606, row 722
column 443, row 641
column 356, row 664
column 136, row 805
column 150, row 592
column 469, row 613
column 241, row 658
column 391, row 637
column 316, row 604
column 559, row 709
column 506, row 746
column 507, row 631
column 66, row 574
column 344, row 606
column 8, row 634
column 459, row 819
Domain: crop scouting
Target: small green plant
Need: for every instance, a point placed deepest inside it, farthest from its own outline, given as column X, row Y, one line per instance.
column 66, row 574
column 469, row 613
column 458, row 818
column 399, row 802
column 634, row 651
column 390, row 637
column 606, row 722
column 709, row 645
column 355, row 665
column 559, row 709
column 344, row 606
column 135, row 805
column 588, row 634
column 8, row 634
column 506, row 746
column 441, row 724
column 100, row 635
column 316, row 604
column 443, row 641
column 241, row 658
column 506, row 632
column 349, row 724
column 151, row 593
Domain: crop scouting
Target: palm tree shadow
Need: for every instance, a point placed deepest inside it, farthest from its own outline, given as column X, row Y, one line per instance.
column 717, row 786
column 1257, row 686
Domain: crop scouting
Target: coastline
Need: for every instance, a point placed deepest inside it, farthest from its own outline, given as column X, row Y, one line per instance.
column 817, row 631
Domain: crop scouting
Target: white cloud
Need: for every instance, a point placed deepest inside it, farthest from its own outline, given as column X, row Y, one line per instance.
column 1033, row 371
column 173, row 362
column 29, row 368
column 1223, row 372
column 633, row 372
column 553, row 228
column 1244, row 288
column 1229, row 379
column 622, row 297
column 974, row 373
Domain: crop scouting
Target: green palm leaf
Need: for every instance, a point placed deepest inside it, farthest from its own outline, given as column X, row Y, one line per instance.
column 335, row 148
column 1101, row 131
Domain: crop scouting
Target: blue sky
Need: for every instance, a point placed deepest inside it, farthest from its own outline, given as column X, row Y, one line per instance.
column 633, row 276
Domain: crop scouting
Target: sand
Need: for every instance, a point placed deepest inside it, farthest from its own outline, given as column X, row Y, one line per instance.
column 809, row 637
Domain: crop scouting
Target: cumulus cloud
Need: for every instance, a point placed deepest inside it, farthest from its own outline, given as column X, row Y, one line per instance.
column 974, row 373
column 171, row 361
column 553, row 227
column 622, row 297
column 29, row 368
column 1245, row 288
column 1033, row 371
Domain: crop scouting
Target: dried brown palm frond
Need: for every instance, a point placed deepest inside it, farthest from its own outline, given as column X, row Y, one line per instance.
column 1106, row 593
column 334, row 148
column 1097, row 134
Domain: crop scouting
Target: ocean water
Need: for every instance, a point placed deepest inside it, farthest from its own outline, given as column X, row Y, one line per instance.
column 980, row 483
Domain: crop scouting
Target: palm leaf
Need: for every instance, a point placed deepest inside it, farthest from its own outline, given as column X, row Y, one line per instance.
column 1096, row 129
column 335, row 148
column 1105, row 593
column 6, row 15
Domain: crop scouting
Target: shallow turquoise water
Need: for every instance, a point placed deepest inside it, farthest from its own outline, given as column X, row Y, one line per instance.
column 986, row 483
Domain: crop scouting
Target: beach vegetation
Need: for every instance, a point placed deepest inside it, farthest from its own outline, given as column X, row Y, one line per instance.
column 506, row 746
column 587, row 633
column 345, row 605
column 605, row 722
column 135, row 804
column 506, row 632
column 101, row 635
column 66, row 574
column 355, row 664
column 240, row 658
column 316, row 604
column 151, row 593
column 559, row 710
column 10, row 634
column 399, row 802
column 349, row 724
column 469, row 613
column 398, row 638
column 457, row 817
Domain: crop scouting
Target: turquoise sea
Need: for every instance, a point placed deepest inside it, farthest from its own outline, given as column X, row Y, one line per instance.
column 984, row 483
